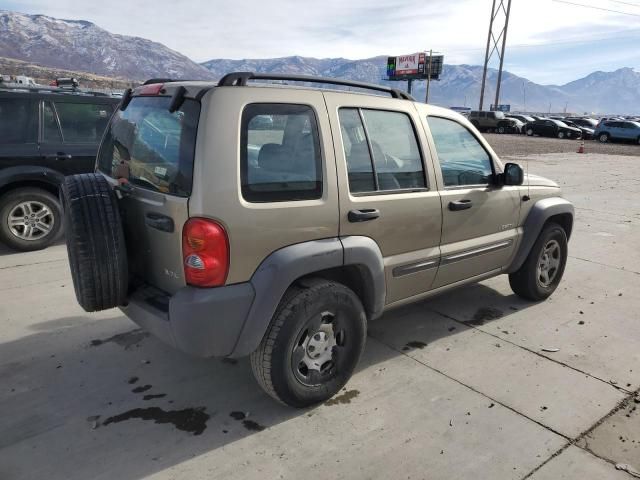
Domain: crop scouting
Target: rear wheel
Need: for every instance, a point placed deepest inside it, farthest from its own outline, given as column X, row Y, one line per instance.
column 30, row 219
column 540, row 274
column 603, row 138
column 313, row 344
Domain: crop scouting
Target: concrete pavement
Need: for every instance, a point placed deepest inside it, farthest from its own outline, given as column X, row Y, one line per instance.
column 453, row 388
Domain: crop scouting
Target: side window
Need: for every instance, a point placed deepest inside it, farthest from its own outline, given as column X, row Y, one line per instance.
column 83, row 122
column 390, row 138
column 18, row 121
column 463, row 160
column 483, row 114
column 50, row 128
column 280, row 153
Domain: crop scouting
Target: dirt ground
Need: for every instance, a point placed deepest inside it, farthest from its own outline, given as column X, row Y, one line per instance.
column 521, row 145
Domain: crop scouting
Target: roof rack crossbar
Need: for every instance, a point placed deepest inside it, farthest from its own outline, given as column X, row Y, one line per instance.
column 241, row 79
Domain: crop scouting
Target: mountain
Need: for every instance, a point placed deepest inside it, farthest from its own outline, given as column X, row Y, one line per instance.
column 81, row 45
column 459, row 85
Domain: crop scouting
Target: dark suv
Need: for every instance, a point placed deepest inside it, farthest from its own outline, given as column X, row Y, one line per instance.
column 45, row 134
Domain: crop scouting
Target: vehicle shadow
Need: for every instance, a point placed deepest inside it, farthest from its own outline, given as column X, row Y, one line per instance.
column 116, row 403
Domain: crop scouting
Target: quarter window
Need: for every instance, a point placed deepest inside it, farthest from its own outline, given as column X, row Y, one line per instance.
column 463, row 160
column 280, row 153
column 381, row 150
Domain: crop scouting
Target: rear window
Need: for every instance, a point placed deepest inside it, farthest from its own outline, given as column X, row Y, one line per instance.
column 151, row 147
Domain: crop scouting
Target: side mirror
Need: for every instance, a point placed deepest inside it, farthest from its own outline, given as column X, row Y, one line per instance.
column 513, row 174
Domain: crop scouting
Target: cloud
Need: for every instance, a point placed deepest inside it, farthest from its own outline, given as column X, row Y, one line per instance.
column 204, row 29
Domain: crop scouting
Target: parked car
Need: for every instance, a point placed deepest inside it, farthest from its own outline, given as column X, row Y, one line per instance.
column 523, row 118
column 583, row 122
column 287, row 256
column 618, row 130
column 552, row 128
column 587, row 132
column 494, row 121
column 45, row 134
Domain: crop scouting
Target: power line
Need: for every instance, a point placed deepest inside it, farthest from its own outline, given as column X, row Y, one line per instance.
column 597, row 8
column 626, row 3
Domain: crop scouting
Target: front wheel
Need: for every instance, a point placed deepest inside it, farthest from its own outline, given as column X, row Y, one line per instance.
column 530, row 132
column 313, row 344
column 501, row 129
column 30, row 219
column 561, row 135
column 540, row 274
column 603, row 138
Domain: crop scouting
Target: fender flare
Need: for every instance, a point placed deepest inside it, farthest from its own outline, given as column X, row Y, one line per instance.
column 283, row 267
column 541, row 211
column 31, row 173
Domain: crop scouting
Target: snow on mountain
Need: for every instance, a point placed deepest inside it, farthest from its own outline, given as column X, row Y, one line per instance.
column 81, row 45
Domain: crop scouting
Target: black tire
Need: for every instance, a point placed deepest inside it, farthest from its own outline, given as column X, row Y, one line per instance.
column 95, row 242
column 529, row 132
column 501, row 129
column 603, row 138
column 280, row 361
column 562, row 135
column 38, row 201
column 526, row 282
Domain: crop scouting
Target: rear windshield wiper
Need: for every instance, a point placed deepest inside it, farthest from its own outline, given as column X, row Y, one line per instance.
column 143, row 183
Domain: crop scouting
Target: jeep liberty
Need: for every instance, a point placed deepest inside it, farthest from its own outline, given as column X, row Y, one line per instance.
column 247, row 218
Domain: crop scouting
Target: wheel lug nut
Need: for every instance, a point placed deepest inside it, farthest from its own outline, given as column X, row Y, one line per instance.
column 312, row 348
column 316, row 336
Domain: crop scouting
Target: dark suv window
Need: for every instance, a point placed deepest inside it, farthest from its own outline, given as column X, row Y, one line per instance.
column 18, row 121
column 390, row 139
column 83, row 122
column 280, row 153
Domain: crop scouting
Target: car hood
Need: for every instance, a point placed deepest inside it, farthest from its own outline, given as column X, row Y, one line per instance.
column 538, row 181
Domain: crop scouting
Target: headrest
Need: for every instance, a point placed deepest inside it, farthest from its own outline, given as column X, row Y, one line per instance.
column 275, row 158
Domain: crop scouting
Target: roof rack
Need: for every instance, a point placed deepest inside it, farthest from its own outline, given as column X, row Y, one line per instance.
column 5, row 86
column 241, row 79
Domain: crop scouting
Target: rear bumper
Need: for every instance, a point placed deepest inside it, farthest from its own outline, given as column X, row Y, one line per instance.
column 204, row 322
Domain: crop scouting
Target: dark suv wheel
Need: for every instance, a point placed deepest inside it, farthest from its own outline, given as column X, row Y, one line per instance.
column 540, row 274
column 603, row 137
column 312, row 345
column 30, row 219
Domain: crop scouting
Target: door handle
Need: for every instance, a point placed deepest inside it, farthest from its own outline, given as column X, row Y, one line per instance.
column 460, row 205
column 159, row 222
column 59, row 156
column 363, row 215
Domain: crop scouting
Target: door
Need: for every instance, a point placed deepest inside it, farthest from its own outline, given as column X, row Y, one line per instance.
column 71, row 134
column 479, row 218
column 629, row 131
column 18, row 133
column 387, row 187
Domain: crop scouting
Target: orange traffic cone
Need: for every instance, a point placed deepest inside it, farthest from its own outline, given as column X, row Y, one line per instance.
column 581, row 147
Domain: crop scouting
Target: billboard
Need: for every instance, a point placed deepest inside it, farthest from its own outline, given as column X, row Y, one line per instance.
column 500, row 108
column 414, row 66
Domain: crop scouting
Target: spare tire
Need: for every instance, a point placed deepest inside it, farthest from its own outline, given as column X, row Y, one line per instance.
column 95, row 242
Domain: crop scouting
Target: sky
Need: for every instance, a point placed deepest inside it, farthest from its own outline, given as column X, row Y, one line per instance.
column 548, row 41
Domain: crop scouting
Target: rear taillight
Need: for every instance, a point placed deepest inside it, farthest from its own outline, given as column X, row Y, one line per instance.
column 205, row 250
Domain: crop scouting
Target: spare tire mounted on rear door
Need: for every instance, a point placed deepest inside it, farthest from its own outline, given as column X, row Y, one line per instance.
column 95, row 242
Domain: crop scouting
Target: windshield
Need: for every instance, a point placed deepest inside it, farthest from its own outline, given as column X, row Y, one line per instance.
column 559, row 123
column 151, row 147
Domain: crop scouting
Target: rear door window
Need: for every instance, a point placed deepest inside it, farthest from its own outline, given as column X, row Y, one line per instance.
column 151, row 147
column 280, row 153
column 83, row 122
column 50, row 126
column 381, row 150
column 18, row 121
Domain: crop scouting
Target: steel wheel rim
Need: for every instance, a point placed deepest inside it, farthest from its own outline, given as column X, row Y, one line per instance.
column 30, row 220
column 549, row 263
column 603, row 138
column 317, row 350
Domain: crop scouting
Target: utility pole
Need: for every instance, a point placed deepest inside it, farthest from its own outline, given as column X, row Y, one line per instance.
column 426, row 100
column 497, row 7
column 409, row 82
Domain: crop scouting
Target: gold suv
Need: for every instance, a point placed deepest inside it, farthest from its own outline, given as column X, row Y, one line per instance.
column 263, row 219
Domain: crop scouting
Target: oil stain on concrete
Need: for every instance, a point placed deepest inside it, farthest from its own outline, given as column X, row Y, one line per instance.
column 192, row 420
